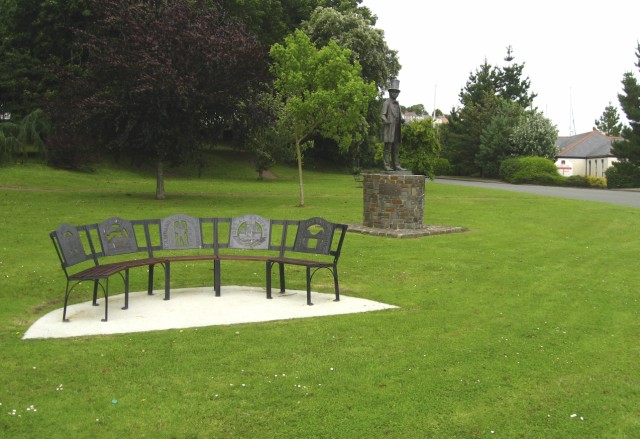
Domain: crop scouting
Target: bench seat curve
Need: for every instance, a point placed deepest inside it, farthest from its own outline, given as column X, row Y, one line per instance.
column 96, row 252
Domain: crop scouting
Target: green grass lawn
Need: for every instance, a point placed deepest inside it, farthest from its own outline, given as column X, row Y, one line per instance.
column 527, row 325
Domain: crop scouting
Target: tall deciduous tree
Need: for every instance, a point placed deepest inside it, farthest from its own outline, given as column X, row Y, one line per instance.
column 322, row 92
column 609, row 122
column 157, row 75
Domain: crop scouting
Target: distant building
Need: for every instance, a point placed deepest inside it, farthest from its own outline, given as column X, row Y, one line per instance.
column 411, row 116
column 587, row 154
column 438, row 120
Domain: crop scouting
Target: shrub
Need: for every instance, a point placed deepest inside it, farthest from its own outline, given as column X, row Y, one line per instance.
column 509, row 167
column 441, row 166
column 577, row 181
column 623, row 175
column 531, row 170
column 597, row 182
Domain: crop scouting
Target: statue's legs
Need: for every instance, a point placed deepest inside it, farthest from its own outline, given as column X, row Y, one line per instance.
column 396, row 161
column 386, row 157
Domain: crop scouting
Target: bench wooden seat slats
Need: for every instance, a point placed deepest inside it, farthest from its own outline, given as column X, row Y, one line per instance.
column 96, row 252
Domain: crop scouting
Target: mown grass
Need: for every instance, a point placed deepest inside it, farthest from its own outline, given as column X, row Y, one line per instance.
column 508, row 330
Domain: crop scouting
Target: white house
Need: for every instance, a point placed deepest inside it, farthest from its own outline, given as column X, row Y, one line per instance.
column 587, row 154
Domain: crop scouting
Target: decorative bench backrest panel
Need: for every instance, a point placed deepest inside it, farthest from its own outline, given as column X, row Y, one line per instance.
column 70, row 244
column 250, row 232
column 117, row 236
column 180, row 232
column 314, row 236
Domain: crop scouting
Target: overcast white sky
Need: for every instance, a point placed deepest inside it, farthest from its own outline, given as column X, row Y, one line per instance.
column 575, row 52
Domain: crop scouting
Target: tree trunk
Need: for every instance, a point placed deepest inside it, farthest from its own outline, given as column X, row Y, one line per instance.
column 299, row 155
column 160, row 181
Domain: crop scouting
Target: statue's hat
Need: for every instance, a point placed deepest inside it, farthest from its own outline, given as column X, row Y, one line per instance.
column 395, row 85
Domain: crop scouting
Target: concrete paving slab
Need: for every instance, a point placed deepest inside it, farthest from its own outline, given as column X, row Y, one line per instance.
column 192, row 307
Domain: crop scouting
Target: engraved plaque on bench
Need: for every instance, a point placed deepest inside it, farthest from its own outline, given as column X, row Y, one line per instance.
column 117, row 237
column 314, row 236
column 180, row 232
column 70, row 244
column 249, row 231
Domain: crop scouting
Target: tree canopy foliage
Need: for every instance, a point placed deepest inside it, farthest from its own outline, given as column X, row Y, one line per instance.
column 355, row 32
column 609, row 122
column 35, row 36
column 420, row 147
column 272, row 20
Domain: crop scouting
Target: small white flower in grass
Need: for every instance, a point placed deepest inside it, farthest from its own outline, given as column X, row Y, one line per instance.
column 574, row 415
column 331, row 369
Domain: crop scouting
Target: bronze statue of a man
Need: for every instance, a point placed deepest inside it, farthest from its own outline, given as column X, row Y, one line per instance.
column 391, row 136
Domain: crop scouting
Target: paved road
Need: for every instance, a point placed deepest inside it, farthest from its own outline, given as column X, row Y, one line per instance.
column 622, row 197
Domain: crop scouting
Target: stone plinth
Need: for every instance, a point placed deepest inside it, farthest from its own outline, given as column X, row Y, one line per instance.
column 393, row 201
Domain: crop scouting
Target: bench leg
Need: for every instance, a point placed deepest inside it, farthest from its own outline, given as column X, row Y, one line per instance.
column 216, row 277
column 268, row 277
column 282, row 285
column 167, row 280
column 309, row 286
column 335, row 284
column 150, row 283
column 95, row 292
column 106, row 300
column 126, row 289
column 66, row 300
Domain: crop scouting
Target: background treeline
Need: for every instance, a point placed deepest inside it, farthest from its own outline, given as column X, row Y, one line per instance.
column 156, row 82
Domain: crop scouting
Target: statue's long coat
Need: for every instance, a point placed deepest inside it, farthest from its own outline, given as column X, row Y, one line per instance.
column 392, row 117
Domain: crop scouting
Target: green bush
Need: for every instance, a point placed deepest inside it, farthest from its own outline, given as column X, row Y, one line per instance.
column 530, row 170
column 509, row 167
column 623, row 175
column 577, row 181
column 441, row 166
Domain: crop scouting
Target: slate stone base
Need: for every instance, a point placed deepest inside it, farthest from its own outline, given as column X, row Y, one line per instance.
column 426, row 230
